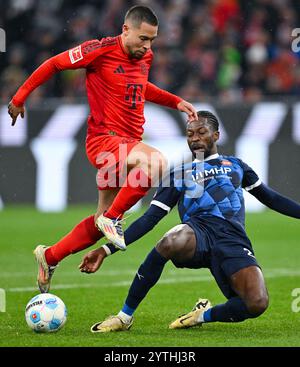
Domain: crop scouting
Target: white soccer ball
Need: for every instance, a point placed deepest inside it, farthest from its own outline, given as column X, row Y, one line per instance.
column 45, row 313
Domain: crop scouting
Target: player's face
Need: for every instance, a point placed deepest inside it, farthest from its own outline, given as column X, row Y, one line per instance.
column 137, row 41
column 201, row 138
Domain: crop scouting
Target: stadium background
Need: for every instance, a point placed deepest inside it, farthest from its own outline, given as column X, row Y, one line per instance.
column 232, row 57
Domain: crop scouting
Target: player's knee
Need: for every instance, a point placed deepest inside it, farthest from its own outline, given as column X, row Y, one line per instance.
column 257, row 305
column 155, row 168
column 165, row 247
column 174, row 242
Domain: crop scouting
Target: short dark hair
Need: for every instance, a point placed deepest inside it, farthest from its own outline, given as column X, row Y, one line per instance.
column 211, row 119
column 138, row 14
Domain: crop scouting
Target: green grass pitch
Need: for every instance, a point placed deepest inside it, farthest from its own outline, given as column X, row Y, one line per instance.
column 90, row 298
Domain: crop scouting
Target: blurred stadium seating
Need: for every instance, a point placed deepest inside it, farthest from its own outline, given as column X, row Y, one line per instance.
column 225, row 50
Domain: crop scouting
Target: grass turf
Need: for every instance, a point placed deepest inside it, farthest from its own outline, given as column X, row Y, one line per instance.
column 90, row 298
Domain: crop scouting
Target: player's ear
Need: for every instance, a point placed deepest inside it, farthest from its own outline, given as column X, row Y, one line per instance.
column 125, row 29
column 216, row 135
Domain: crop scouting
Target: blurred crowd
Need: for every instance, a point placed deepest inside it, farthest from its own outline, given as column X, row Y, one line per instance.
column 220, row 50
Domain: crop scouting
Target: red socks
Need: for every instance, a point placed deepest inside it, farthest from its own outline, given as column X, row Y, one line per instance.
column 136, row 186
column 85, row 234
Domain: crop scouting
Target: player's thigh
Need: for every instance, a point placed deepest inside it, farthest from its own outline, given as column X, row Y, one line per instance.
column 149, row 158
column 235, row 268
column 249, row 284
column 105, row 199
column 178, row 244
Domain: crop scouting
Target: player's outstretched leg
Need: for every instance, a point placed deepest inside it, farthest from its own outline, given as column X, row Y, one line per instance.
column 193, row 318
column 145, row 165
column 178, row 244
column 45, row 272
column 83, row 235
column 251, row 301
column 147, row 275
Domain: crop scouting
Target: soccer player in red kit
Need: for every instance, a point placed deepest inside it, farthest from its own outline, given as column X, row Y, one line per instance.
column 117, row 85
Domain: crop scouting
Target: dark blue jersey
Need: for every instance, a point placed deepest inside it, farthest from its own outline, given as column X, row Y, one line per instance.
column 212, row 187
column 205, row 192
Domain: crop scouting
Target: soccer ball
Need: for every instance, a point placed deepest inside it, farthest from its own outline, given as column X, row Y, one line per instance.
column 45, row 313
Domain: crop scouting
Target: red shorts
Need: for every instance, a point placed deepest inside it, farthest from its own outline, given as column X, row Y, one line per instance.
column 108, row 153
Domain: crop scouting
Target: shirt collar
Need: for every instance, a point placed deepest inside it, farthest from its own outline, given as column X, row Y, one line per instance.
column 213, row 156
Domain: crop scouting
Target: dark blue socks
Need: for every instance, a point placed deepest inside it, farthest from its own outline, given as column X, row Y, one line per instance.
column 234, row 310
column 147, row 275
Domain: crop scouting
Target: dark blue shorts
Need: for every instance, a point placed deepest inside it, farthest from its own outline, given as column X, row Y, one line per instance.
column 222, row 247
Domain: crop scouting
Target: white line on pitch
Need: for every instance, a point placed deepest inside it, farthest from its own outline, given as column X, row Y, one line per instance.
column 171, row 272
column 272, row 273
column 113, row 284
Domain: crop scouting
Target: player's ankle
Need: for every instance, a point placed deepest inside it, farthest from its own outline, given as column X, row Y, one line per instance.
column 51, row 261
column 124, row 317
column 111, row 214
column 206, row 316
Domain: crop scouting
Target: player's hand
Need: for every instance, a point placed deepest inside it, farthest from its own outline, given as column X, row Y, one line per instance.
column 188, row 108
column 14, row 112
column 92, row 261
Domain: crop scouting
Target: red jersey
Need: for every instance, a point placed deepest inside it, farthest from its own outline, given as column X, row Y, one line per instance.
column 117, row 85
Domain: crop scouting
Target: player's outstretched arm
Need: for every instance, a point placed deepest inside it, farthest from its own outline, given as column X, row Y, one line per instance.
column 93, row 260
column 165, row 98
column 276, row 201
column 189, row 109
column 14, row 112
column 43, row 73
column 76, row 58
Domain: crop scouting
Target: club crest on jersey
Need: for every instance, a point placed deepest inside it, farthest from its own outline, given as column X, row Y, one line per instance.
column 75, row 54
column 226, row 163
column 144, row 69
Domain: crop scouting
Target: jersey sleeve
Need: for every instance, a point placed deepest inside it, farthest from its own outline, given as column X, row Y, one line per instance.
column 167, row 194
column 78, row 57
column 250, row 177
column 161, row 96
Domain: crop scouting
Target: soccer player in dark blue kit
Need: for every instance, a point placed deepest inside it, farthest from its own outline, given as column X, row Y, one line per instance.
column 212, row 234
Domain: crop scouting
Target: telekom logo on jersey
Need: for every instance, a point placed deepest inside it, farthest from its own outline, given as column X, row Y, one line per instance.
column 56, row 143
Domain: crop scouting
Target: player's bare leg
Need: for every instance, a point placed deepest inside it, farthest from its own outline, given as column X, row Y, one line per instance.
column 105, row 199
column 145, row 165
column 250, row 285
column 177, row 245
column 251, row 301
